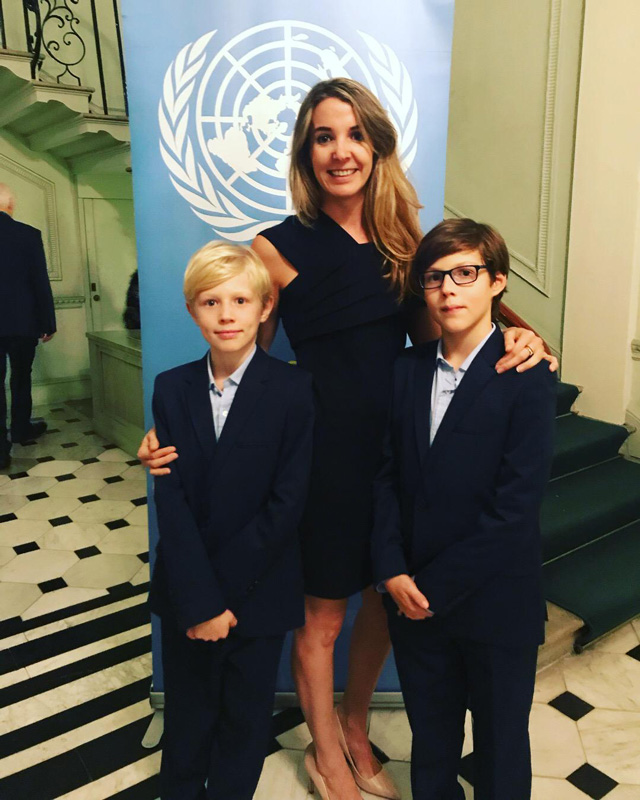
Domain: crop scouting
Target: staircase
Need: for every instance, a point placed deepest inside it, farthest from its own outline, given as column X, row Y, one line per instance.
column 590, row 523
column 56, row 118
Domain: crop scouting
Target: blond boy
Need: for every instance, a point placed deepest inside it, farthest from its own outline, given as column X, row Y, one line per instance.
column 227, row 581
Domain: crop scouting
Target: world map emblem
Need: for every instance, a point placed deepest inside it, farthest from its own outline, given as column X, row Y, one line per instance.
column 227, row 113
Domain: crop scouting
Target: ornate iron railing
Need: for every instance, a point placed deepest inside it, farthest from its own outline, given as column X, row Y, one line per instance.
column 76, row 43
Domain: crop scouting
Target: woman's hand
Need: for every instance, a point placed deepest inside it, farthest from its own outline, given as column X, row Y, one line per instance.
column 524, row 350
column 155, row 457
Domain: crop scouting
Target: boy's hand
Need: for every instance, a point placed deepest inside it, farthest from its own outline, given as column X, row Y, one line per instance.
column 214, row 629
column 409, row 599
column 524, row 350
column 155, row 457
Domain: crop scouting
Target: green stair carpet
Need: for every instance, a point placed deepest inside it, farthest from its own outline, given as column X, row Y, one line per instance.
column 567, row 394
column 599, row 582
column 590, row 523
column 582, row 442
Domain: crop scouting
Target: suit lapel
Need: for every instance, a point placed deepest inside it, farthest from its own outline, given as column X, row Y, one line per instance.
column 475, row 379
column 247, row 395
column 199, row 403
column 423, row 381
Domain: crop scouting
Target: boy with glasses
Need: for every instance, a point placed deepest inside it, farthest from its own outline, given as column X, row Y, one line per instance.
column 456, row 540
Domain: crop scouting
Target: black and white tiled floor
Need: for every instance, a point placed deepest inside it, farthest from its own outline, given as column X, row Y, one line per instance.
column 75, row 664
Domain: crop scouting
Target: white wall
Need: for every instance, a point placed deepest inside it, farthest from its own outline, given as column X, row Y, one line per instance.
column 604, row 255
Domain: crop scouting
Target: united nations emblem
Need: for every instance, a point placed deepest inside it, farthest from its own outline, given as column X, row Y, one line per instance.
column 226, row 116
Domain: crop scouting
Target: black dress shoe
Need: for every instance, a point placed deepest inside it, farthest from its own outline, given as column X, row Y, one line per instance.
column 36, row 428
column 5, row 458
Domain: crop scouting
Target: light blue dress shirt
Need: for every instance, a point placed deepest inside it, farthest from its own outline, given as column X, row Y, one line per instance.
column 221, row 400
column 446, row 380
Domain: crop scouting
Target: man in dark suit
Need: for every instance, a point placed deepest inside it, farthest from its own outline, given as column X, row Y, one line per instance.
column 26, row 315
column 227, row 580
column 456, row 540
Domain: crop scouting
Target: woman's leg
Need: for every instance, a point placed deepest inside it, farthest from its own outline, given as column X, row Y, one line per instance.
column 312, row 663
column 369, row 649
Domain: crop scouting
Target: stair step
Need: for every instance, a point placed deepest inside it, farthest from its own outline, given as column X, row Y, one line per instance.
column 586, row 505
column 560, row 634
column 600, row 582
column 567, row 394
column 582, row 442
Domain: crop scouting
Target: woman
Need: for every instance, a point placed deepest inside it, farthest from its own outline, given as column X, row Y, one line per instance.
column 340, row 270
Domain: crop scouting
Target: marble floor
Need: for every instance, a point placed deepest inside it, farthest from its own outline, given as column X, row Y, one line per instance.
column 75, row 662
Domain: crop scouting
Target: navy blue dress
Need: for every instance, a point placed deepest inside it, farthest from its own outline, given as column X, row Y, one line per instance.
column 346, row 327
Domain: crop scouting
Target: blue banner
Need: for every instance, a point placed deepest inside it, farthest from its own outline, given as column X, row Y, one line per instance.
column 214, row 89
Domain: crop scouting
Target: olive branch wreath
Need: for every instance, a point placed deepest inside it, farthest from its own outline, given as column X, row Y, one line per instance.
column 192, row 181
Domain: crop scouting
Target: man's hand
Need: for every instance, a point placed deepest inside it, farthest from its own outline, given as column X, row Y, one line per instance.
column 524, row 350
column 409, row 599
column 155, row 457
column 46, row 337
column 214, row 629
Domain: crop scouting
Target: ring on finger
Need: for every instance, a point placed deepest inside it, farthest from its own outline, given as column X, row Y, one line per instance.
column 530, row 349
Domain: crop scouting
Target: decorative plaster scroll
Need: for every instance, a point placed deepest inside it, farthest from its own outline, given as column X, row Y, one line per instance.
column 68, row 301
column 537, row 273
column 50, row 236
column 635, row 349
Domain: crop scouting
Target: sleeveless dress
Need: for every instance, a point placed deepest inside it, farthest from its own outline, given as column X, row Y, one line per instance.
column 346, row 327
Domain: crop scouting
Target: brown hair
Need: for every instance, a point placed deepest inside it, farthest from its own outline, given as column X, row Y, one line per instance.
column 390, row 202
column 456, row 235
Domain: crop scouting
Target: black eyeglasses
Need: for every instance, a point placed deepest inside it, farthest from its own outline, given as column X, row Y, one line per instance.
column 461, row 276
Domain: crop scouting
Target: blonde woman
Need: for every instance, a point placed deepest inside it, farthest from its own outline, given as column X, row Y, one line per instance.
column 340, row 270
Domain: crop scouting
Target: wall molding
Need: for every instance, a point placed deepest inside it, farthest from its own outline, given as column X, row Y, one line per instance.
column 50, row 237
column 58, row 390
column 68, row 301
column 537, row 273
column 539, row 276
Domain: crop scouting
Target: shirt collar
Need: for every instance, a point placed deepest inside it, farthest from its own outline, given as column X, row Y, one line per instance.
column 236, row 376
column 441, row 360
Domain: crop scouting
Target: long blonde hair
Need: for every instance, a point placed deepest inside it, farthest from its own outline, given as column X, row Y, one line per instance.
column 390, row 212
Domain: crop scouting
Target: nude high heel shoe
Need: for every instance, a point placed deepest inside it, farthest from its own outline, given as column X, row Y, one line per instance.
column 316, row 781
column 381, row 784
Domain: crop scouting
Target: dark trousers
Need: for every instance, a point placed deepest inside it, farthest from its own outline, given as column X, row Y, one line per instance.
column 217, row 714
column 441, row 677
column 21, row 351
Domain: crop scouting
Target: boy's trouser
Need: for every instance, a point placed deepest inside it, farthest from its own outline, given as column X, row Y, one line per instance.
column 217, row 714
column 441, row 677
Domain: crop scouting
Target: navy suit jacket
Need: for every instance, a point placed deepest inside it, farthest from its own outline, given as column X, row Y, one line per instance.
column 26, row 302
column 228, row 513
column 462, row 515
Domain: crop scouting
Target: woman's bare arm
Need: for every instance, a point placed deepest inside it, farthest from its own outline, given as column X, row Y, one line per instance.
column 282, row 273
